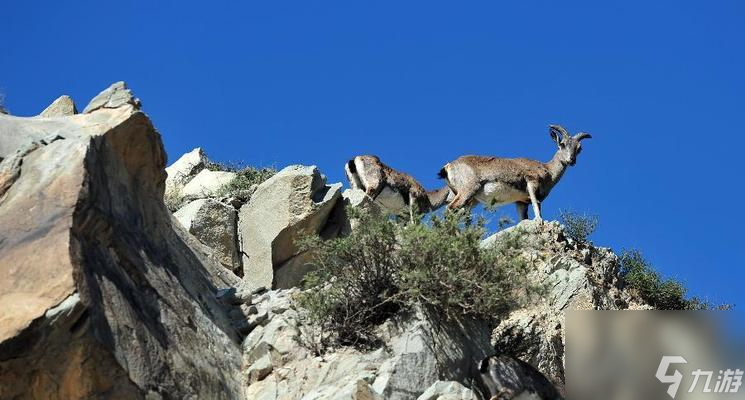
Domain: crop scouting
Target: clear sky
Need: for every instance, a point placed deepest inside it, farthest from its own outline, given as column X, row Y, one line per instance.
column 659, row 84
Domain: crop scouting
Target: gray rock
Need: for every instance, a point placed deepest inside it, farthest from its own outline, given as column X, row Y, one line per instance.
column 419, row 349
column 103, row 293
column 508, row 378
column 214, row 224
column 207, row 183
column 62, row 107
column 10, row 167
column 291, row 204
column 576, row 278
column 291, row 272
column 260, row 360
column 248, row 309
column 426, row 349
column 185, row 168
column 356, row 389
column 448, row 390
column 246, row 325
column 115, row 96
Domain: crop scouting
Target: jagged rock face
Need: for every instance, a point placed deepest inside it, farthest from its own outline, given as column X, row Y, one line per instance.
column 579, row 277
column 103, row 293
column 62, row 107
column 291, row 204
column 279, row 360
column 427, row 348
column 295, row 203
column 115, row 96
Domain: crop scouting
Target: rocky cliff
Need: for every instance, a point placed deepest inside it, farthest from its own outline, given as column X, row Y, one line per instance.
column 104, row 294
column 107, row 294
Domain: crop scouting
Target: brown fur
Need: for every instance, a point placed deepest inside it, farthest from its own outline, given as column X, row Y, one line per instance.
column 378, row 175
column 468, row 175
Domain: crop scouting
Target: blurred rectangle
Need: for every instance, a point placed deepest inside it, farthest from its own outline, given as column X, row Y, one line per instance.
column 655, row 355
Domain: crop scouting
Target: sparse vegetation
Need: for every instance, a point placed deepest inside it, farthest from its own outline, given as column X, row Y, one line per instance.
column 386, row 266
column 578, row 227
column 663, row 294
column 247, row 176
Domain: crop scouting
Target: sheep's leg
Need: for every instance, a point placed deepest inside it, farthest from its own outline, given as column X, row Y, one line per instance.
column 522, row 210
column 411, row 207
column 464, row 196
column 532, row 188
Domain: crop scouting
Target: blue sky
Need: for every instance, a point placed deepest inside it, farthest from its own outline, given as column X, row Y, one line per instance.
column 660, row 85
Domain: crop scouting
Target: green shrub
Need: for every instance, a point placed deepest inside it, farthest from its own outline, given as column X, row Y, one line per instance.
column 353, row 288
column 578, row 227
column 662, row 294
column 246, row 177
column 385, row 266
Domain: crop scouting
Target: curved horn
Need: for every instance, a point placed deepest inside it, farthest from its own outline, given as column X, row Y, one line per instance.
column 559, row 130
column 582, row 135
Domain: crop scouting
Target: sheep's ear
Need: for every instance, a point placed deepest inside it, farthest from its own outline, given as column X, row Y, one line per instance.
column 582, row 135
column 557, row 133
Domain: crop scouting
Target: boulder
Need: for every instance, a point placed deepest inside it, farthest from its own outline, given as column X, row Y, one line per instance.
column 207, row 183
column 294, row 203
column 115, row 96
column 215, row 225
column 185, row 168
column 62, row 107
column 103, row 293
column 448, row 390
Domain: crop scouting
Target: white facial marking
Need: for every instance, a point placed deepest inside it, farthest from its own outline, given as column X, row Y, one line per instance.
column 361, row 172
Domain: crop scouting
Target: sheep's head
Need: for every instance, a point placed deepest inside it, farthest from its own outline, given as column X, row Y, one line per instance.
column 569, row 146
